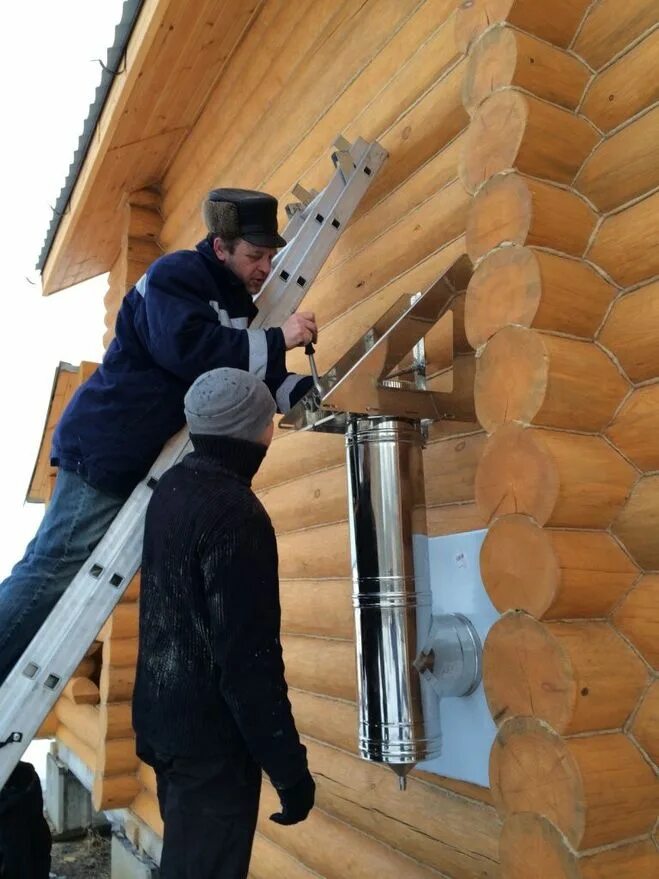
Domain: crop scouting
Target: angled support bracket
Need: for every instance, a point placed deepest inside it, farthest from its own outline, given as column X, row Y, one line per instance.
column 366, row 381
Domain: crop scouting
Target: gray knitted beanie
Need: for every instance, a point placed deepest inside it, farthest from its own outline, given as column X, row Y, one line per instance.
column 229, row 402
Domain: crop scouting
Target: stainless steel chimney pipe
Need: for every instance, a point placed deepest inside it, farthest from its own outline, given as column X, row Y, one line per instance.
column 387, row 509
column 406, row 660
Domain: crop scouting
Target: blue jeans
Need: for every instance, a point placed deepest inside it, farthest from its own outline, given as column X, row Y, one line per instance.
column 75, row 520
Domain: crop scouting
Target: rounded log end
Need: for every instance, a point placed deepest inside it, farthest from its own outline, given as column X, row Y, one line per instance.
column 97, row 793
column 114, row 792
column 635, row 428
column 511, row 378
column 493, row 138
column 637, row 524
column 527, row 672
column 505, row 289
column 519, row 567
column 500, row 213
column 82, row 691
column 516, row 475
column 473, row 17
column 491, row 66
column 630, row 332
column 637, row 617
column 531, row 845
column 532, row 770
column 646, row 723
column 535, row 378
column 108, row 336
column 48, row 727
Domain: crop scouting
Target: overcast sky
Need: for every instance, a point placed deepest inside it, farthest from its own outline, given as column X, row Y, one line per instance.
column 47, row 82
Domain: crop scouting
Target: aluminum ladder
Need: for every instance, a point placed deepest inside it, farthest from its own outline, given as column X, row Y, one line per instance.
column 36, row 682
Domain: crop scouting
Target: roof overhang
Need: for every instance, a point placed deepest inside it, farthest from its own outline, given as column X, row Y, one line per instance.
column 173, row 54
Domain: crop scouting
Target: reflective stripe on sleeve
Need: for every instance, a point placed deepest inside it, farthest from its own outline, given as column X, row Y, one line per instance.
column 258, row 353
column 284, row 391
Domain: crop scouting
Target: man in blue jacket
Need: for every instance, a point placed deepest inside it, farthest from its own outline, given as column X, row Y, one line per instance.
column 190, row 313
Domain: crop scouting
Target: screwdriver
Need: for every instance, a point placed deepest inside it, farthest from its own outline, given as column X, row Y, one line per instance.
column 309, row 350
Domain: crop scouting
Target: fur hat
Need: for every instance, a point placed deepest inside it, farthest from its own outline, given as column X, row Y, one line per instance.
column 243, row 213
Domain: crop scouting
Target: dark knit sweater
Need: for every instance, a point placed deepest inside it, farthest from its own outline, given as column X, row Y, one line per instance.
column 210, row 671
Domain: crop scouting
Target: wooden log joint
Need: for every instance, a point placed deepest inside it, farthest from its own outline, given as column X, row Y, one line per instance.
column 597, row 790
column 114, row 791
column 611, row 26
column 637, row 617
column 635, row 427
column 645, row 727
column 557, row 478
column 536, row 378
column 553, row 574
column 514, row 209
column 532, row 288
column 82, row 691
column 626, row 87
column 557, row 24
column 630, row 332
column 532, row 845
column 511, row 130
column 625, row 166
column 578, row 676
column 636, row 524
column 621, row 244
column 505, row 57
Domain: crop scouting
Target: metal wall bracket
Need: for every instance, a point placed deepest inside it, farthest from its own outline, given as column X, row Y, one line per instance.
column 366, row 380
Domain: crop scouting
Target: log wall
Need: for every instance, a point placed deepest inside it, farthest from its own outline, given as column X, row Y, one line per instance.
column 561, row 308
column 515, row 137
column 304, row 72
column 141, row 223
column 93, row 717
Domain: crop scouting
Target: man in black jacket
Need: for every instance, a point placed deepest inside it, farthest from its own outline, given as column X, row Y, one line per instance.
column 210, row 706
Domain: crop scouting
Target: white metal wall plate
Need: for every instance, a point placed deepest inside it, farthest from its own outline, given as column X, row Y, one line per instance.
column 451, row 564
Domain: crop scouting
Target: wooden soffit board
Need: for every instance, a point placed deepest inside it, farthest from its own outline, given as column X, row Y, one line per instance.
column 176, row 53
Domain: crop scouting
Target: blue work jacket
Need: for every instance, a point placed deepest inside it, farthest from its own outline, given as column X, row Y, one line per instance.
column 186, row 315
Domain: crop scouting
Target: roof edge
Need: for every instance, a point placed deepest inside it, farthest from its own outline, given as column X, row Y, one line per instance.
column 111, row 69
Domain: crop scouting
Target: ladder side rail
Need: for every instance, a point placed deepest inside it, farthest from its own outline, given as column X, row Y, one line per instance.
column 319, row 202
column 132, row 511
column 288, row 260
column 339, row 204
column 36, row 682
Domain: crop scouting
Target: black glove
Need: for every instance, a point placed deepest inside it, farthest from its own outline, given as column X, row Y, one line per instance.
column 296, row 801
